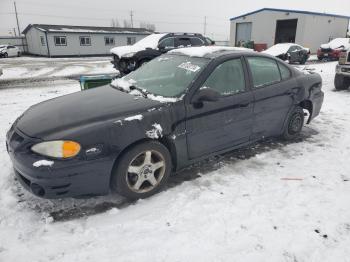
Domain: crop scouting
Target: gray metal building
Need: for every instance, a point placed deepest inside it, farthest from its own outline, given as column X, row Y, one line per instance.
column 67, row 40
column 271, row 26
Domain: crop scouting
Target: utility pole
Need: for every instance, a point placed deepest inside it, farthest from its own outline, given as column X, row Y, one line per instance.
column 131, row 19
column 19, row 32
column 14, row 31
column 205, row 25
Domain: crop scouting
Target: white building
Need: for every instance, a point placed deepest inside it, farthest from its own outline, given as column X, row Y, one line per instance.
column 271, row 26
column 66, row 40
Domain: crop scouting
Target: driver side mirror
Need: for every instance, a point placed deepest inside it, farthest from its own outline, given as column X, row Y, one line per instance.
column 205, row 95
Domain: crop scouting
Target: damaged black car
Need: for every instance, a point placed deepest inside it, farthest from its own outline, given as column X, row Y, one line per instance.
column 179, row 108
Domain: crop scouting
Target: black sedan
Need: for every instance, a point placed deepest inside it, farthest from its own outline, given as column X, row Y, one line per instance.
column 181, row 107
column 289, row 52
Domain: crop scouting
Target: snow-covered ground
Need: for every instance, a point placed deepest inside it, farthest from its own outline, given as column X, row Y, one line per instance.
column 41, row 67
column 273, row 201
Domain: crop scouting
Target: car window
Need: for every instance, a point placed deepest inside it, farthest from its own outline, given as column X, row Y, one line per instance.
column 183, row 42
column 264, row 71
column 227, row 78
column 285, row 73
column 167, row 43
column 195, row 41
column 292, row 49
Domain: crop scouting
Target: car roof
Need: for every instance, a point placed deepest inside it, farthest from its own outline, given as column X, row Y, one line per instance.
column 211, row 52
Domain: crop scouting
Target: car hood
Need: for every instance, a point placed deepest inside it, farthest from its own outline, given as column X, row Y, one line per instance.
column 80, row 108
column 2, row 49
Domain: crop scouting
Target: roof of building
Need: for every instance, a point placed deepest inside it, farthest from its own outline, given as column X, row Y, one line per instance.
column 289, row 11
column 87, row 29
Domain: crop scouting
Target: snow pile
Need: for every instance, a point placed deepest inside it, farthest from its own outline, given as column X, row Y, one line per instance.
column 43, row 163
column 337, row 43
column 156, row 132
column 150, row 41
column 163, row 99
column 136, row 117
column 200, row 51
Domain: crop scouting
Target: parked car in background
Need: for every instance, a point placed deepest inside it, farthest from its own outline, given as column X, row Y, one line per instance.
column 179, row 108
column 289, row 51
column 0, row 72
column 9, row 51
column 129, row 58
column 342, row 72
column 332, row 50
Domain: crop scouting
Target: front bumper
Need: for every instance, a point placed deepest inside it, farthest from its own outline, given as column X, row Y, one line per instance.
column 65, row 178
column 343, row 70
column 124, row 65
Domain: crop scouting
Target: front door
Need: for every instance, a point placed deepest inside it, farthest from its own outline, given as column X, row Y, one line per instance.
column 219, row 125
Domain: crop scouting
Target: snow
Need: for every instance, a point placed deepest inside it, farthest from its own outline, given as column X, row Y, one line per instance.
column 278, row 49
column 238, row 207
column 40, row 67
column 150, row 41
column 136, row 117
column 43, row 162
column 201, row 51
column 123, row 84
column 337, row 43
column 156, row 132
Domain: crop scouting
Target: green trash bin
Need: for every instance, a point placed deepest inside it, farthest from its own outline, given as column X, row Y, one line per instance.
column 92, row 81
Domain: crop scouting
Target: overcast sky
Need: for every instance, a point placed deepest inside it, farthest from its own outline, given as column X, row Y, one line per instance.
column 179, row 15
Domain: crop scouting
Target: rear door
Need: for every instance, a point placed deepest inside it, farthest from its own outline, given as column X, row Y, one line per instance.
column 219, row 125
column 274, row 91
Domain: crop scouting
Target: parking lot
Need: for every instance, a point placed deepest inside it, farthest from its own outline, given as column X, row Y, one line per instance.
column 284, row 201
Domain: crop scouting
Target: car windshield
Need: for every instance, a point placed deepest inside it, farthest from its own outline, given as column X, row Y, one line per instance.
column 167, row 75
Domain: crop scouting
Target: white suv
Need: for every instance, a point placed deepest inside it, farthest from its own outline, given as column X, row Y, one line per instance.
column 9, row 50
column 342, row 72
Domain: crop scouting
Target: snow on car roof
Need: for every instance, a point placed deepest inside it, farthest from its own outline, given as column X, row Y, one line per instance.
column 278, row 49
column 337, row 42
column 202, row 51
column 150, row 41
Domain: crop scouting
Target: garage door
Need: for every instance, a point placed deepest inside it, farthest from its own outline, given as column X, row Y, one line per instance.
column 243, row 32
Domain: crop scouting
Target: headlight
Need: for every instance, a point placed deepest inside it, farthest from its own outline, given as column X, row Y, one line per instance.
column 128, row 55
column 57, row 149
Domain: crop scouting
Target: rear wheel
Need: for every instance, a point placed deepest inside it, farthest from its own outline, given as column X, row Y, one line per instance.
column 341, row 82
column 294, row 123
column 19, row 54
column 142, row 171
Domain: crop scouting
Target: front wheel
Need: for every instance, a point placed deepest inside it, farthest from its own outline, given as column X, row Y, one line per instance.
column 294, row 123
column 6, row 55
column 142, row 171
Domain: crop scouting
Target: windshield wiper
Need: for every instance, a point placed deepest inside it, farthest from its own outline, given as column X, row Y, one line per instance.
column 142, row 91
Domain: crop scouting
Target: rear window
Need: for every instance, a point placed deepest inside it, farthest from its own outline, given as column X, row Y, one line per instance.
column 264, row 71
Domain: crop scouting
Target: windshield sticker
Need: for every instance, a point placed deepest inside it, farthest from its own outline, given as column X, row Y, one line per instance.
column 189, row 67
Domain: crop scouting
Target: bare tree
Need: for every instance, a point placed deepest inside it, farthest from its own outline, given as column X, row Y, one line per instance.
column 148, row 26
column 127, row 23
column 115, row 22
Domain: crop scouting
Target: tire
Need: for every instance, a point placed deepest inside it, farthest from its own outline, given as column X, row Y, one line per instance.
column 6, row 55
column 19, row 54
column 341, row 82
column 142, row 171
column 294, row 124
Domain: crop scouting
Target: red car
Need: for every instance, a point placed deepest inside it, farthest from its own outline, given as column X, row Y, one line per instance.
column 332, row 50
